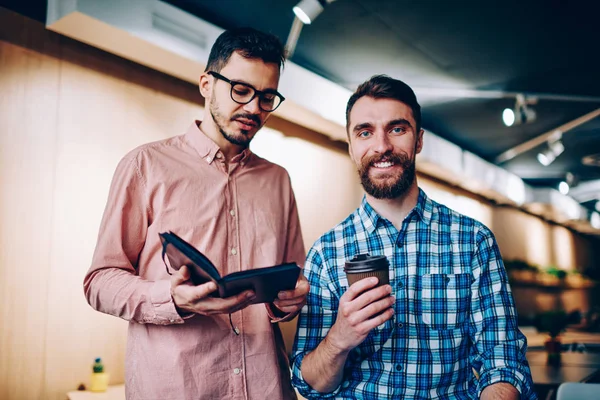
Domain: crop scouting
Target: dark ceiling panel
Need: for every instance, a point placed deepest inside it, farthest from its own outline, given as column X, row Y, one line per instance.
column 532, row 46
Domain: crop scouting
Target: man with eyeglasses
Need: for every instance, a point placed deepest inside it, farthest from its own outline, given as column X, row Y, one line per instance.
column 237, row 208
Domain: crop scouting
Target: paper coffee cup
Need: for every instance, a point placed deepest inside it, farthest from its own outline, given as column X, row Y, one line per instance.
column 364, row 266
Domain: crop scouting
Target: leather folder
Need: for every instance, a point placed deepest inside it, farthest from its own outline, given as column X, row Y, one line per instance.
column 266, row 282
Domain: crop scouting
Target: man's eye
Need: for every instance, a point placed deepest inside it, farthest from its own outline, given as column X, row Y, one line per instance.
column 241, row 90
column 398, row 129
column 364, row 134
column 268, row 98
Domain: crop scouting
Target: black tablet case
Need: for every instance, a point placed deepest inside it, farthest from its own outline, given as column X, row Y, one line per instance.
column 265, row 282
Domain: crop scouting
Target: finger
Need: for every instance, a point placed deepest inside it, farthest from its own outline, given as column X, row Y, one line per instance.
column 228, row 304
column 373, row 309
column 180, row 276
column 370, row 296
column 288, row 309
column 197, row 293
column 358, row 287
column 289, row 302
column 301, row 289
column 372, row 323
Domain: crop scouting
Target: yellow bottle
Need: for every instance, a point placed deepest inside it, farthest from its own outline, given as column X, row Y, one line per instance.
column 99, row 378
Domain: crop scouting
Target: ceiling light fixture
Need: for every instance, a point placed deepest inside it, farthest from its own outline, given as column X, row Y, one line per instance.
column 595, row 220
column 563, row 188
column 508, row 117
column 308, row 10
column 555, row 148
column 522, row 113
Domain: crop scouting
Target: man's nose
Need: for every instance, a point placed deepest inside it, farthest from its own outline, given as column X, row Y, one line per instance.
column 382, row 143
column 253, row 107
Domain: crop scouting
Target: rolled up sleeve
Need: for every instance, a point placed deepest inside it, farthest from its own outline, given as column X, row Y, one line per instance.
column 500, row 346
column 316, row 318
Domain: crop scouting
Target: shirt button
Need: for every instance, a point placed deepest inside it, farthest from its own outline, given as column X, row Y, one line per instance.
column 400, row 324
column 237, row 371
column 232, row 212
column 400, row 284
column 219, row 155
column 398, row 367
column 208, row 159
column 236, row 330
column 233, row 251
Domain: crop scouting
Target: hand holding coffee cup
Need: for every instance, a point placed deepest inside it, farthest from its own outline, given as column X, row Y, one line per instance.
column 365, row 305
column 364, row 266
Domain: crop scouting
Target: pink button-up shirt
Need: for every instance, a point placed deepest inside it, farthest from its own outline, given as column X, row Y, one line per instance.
column 241, row 215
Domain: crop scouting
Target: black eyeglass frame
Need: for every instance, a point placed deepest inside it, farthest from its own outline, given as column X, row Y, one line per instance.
column 259, row 93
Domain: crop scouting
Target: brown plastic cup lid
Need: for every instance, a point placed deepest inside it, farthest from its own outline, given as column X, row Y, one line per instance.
column 366, row 263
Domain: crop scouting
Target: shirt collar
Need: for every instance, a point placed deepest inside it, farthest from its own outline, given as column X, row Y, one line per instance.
column 206, row 148
column 423, row 209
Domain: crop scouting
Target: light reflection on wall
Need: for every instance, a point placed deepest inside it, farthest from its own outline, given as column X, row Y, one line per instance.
column 325, row 181
column 563, row 248
column 537, row 239
column 462, row 204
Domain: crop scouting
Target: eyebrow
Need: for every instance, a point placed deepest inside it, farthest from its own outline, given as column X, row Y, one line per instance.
column 362, row 126
column 399, row 121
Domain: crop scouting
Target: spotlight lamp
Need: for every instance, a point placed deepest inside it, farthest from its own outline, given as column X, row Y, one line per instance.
column 563, row 188
column 308, row 10
column 595, row 220
column 554, row 149
column 522, row 113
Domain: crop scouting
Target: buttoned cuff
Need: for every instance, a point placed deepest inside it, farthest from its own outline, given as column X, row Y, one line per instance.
column 304, row 388
column 276, row 315
column 511, row 376
column 165, row 312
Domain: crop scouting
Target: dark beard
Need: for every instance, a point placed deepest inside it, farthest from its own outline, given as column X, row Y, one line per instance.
column 242, row 140
column 395, row 189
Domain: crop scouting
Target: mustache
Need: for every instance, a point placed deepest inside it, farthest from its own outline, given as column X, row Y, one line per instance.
column 252, row 117
column 401, row 158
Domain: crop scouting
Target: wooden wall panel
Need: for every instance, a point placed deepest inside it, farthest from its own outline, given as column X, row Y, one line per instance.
column 28, row 109
column 100, row 118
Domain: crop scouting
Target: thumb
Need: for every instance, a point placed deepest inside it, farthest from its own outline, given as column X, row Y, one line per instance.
column 185, row 273
column 203, row 290
column 180, row 276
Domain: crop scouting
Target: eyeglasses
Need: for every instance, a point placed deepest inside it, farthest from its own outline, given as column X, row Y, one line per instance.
column 242, row 93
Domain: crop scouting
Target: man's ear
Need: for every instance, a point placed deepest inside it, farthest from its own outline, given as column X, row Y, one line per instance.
column 205, row 85
column 420, row 141
column 350, row 150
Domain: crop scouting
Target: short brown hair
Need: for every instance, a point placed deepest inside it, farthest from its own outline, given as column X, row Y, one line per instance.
column 384, row 87
column 249, row 43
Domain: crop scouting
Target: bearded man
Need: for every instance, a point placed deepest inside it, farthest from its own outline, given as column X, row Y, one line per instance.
column 445, row 326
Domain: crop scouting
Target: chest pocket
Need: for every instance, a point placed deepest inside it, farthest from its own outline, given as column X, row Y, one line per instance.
column 445, row 300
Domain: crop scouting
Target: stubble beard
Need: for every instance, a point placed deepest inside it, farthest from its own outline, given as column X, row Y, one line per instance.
column 244, row 138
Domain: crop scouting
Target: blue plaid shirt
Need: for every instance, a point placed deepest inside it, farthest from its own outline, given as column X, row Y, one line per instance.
column 454, row 311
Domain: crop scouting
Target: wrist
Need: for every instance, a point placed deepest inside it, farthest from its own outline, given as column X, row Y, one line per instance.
column 333, row 346
column 183, row 313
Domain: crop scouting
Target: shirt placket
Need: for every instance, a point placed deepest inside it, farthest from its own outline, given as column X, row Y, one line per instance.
column 233, row 244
